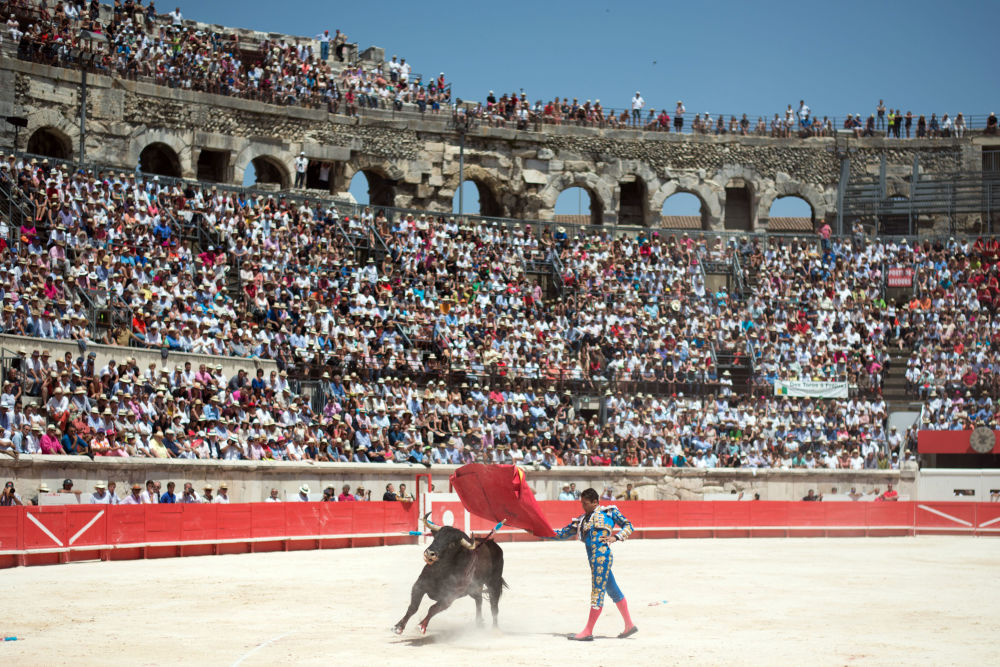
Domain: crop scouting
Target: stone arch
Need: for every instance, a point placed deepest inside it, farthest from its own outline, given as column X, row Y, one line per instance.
column 633, row 200
column 51, row 142
column 711, row 213
column 180, row 149
column 382, row 175
column 56, row 124
column 213, row 165
column 159, row 158
column 739, row 204
column 269, row 170
column 812, row 209
column 282, row 160
column 812, row 194
column 384, row 168
column 601, row 194
column 488, row 204
column 493, row 191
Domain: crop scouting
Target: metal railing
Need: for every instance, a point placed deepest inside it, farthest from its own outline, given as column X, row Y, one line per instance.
column 17, row 209
column 966, row 193
column 737, row 271
column 498, row 375
column 557, row 273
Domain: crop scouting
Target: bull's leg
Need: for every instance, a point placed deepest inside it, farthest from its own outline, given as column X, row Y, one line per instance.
column 495, row 588
column 478, row 597
column 436, row 608
column 416, row 595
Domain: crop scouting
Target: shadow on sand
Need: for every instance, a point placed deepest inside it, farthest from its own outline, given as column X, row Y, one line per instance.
column 454, row 635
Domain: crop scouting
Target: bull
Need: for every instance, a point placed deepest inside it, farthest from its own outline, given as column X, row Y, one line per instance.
column 456, row 566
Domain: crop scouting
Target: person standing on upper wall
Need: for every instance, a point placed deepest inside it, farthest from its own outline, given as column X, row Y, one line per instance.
column 637, row 104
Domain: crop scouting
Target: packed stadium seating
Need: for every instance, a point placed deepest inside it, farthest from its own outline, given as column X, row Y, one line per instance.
column 444, row 340
column 417, row 337
column 136, row 43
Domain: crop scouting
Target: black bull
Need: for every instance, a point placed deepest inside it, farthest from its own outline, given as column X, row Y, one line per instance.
column 456, row 567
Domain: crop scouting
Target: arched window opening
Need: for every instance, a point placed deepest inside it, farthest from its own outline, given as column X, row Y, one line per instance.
column 159, row 158
column 582, row 203
column 684, row 210
column 50, row 142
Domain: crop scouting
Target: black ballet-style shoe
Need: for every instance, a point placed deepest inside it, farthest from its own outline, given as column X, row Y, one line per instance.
column 628, row 633
column 586, row 638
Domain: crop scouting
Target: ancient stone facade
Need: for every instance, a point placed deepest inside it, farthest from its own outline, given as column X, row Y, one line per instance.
column 413, row 162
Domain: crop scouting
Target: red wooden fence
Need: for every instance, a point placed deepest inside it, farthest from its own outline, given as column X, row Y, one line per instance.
column 43, row 535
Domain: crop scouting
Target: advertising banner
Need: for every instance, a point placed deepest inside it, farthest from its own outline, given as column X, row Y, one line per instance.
column 803, row 389
column 899, row 277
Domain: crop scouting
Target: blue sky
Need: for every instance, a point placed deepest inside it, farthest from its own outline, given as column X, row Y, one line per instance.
column 723, row 57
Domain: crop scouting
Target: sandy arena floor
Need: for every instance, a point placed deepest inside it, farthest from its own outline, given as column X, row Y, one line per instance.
column 927, row 600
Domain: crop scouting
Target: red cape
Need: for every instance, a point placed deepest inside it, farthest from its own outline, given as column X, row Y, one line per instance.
column 496, row 493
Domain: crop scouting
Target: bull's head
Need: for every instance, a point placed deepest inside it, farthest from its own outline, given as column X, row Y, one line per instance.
column 446, row 539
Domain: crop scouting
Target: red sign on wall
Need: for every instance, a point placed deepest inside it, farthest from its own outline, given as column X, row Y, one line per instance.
column 951, row 442
column 900, row 277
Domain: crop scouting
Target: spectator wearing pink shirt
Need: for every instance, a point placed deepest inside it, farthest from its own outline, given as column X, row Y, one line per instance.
column 50, row 441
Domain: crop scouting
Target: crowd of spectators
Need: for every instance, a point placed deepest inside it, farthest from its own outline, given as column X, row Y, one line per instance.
column 70, row 406
column 816, row 311
column 445, row 350
column 516, row 110
column 136, row 42
column 156, row 493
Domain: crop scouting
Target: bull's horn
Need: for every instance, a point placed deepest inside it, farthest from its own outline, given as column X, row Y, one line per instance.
column 434, row 528
column 468, row 545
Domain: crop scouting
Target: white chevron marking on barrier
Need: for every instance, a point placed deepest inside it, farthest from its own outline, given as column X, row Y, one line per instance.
column 44, row 529
column 946, row 516
column 88, row 525
column 990, row 522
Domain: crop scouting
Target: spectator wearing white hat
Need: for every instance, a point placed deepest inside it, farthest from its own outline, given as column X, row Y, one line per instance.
column 100, row 496
column 223, row 497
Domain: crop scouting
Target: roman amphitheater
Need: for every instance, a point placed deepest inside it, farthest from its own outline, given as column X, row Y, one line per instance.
column 798, row 415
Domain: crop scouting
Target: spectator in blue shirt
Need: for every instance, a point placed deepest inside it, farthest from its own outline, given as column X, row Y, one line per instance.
column 73, row 444
column 169, row 496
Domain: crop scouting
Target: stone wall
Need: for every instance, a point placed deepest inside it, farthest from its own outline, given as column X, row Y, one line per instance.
column 415, row 158
column 251, row 481
column 143, row 356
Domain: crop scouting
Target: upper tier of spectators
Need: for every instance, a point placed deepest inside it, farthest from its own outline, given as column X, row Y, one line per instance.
column 133, row 41
column 137, row 43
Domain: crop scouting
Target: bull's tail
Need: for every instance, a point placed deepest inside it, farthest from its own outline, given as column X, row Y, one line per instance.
column 499, row 589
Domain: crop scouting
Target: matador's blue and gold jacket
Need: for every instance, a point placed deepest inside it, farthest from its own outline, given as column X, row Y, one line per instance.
column 600, row 524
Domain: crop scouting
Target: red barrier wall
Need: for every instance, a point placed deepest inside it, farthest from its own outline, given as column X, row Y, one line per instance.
column 657, row 519
column 42, row 535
